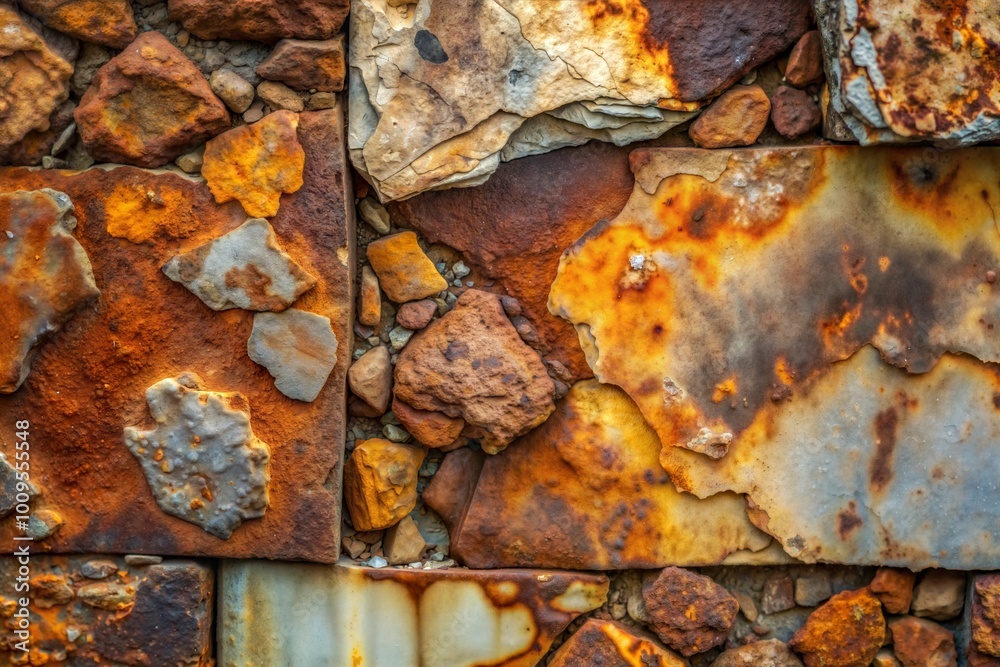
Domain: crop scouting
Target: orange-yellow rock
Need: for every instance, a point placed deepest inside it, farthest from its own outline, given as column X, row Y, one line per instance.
column 255, row 164
column 611, row 644
column 736, row 118
column 104, row 22
column 404, row 271
column 847, row 631
column 380, row 483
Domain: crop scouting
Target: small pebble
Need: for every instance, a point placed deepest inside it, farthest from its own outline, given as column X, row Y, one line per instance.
column 376, row 562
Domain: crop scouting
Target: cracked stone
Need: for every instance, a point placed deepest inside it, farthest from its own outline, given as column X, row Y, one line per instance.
column 45, row 276
column 259, row 20
column 202, row 461
column 148, row 105
column 298, row 349
column 405, row 272
column 108, row 23
column 307, row 64
column 35, row 80
column 255, row 164
column 380, row 482
column 245, row 268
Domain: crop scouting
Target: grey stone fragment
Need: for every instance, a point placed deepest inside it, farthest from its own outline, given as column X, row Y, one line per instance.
column 812, row 590
column 202, row 461
column 191, row 163
column 98, row 569
column 375, row 215
column 43, row 523
column 139, row 560
column 245, row 268
column 298, row 348
column 9, row 489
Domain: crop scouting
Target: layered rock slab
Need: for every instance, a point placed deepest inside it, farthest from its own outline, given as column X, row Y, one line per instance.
column 913, row 71
column 90, row 380
column 275, row 613
column 101, row 610
column 585, row 490
column 431, row 108
column 45, row 276
column 683, row 302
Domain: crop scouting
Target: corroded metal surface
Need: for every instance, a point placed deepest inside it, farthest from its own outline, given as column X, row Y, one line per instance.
column 727, row 296
column 98, row 610
column 586, row 490
column 333, row 616
column 909, row 70
column 89, row 382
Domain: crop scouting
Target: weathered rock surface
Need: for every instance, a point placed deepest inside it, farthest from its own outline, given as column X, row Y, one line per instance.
column 690, row 612
column 403, row 543
column 405, row 272
column 305, row 64
column 793, row 112
column 202, row 460
column 260, row 20
column 255, row 164
column 245, row 268
column 940, row 595
column 431, row 108
column 767, row 653
column 894, row 589
column 34, row 79
column 928, row 72
column 89, row 381
column 380, row 482
column 985, row 613
column 735, row 118
column 370, row 299
column 104, row 22
column 319, row 615
column 298, row 349
column 370, row 378
column 148, row 105
column 871, row 296
column 921, row 643
column 847, row 631
column 472, row 364
column 583, row 490
column 138, row 616
column 45, row 277
column 612, row 644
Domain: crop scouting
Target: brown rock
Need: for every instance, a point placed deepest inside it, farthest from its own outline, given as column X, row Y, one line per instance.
column 847, row 631
column 986, row 613
column 813, row 589
column 434, row 429
column 260, row 20
column 472, row 364
column 611, row 644
column 35, row 80
column 403, row 543
column 106, row 22
column 370, row 378
column 232, row 89
column 405, row 272
column 45, row 277
column 921, row 643
column 380, row 482
column 735, row 118
column 894, row 588
column 302, row 64
column 416, row 315
column 793, row 112
column 690, row 612
column 885, row 658
column 278, row 96
column 370, row 297
column 976, row 659
column 779, row 593
column 805, row 62
column 939, row 595
column 768, row 653
column 452, row 486
column 148, row 105
column 255, row 164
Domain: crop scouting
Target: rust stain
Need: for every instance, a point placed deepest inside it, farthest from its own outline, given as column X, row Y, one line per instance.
column 848, row 520
column 880, row 471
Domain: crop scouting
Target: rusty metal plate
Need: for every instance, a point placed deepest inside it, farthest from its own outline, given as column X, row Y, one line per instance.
column 914, row 71
column 288, row 614
column 728, row 295
column 586, row 490
column 89, row 381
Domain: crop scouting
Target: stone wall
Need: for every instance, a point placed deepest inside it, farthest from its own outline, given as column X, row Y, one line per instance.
column 499, row 332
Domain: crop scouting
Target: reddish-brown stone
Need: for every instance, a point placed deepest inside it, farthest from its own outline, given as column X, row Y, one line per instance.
column 416, row 314
column 690, row 612
column 736, row 118
column 986, row 614
column 260, row 20
column 148, row 105
column 472, row 364
column 805, row 62
column 452, row 486
column 894, row 588
column 918, row 642
column 793, row 112
column 434, row 429
column 306, row 64
column 105, row 22
column 847, row 631
column 610, row 644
